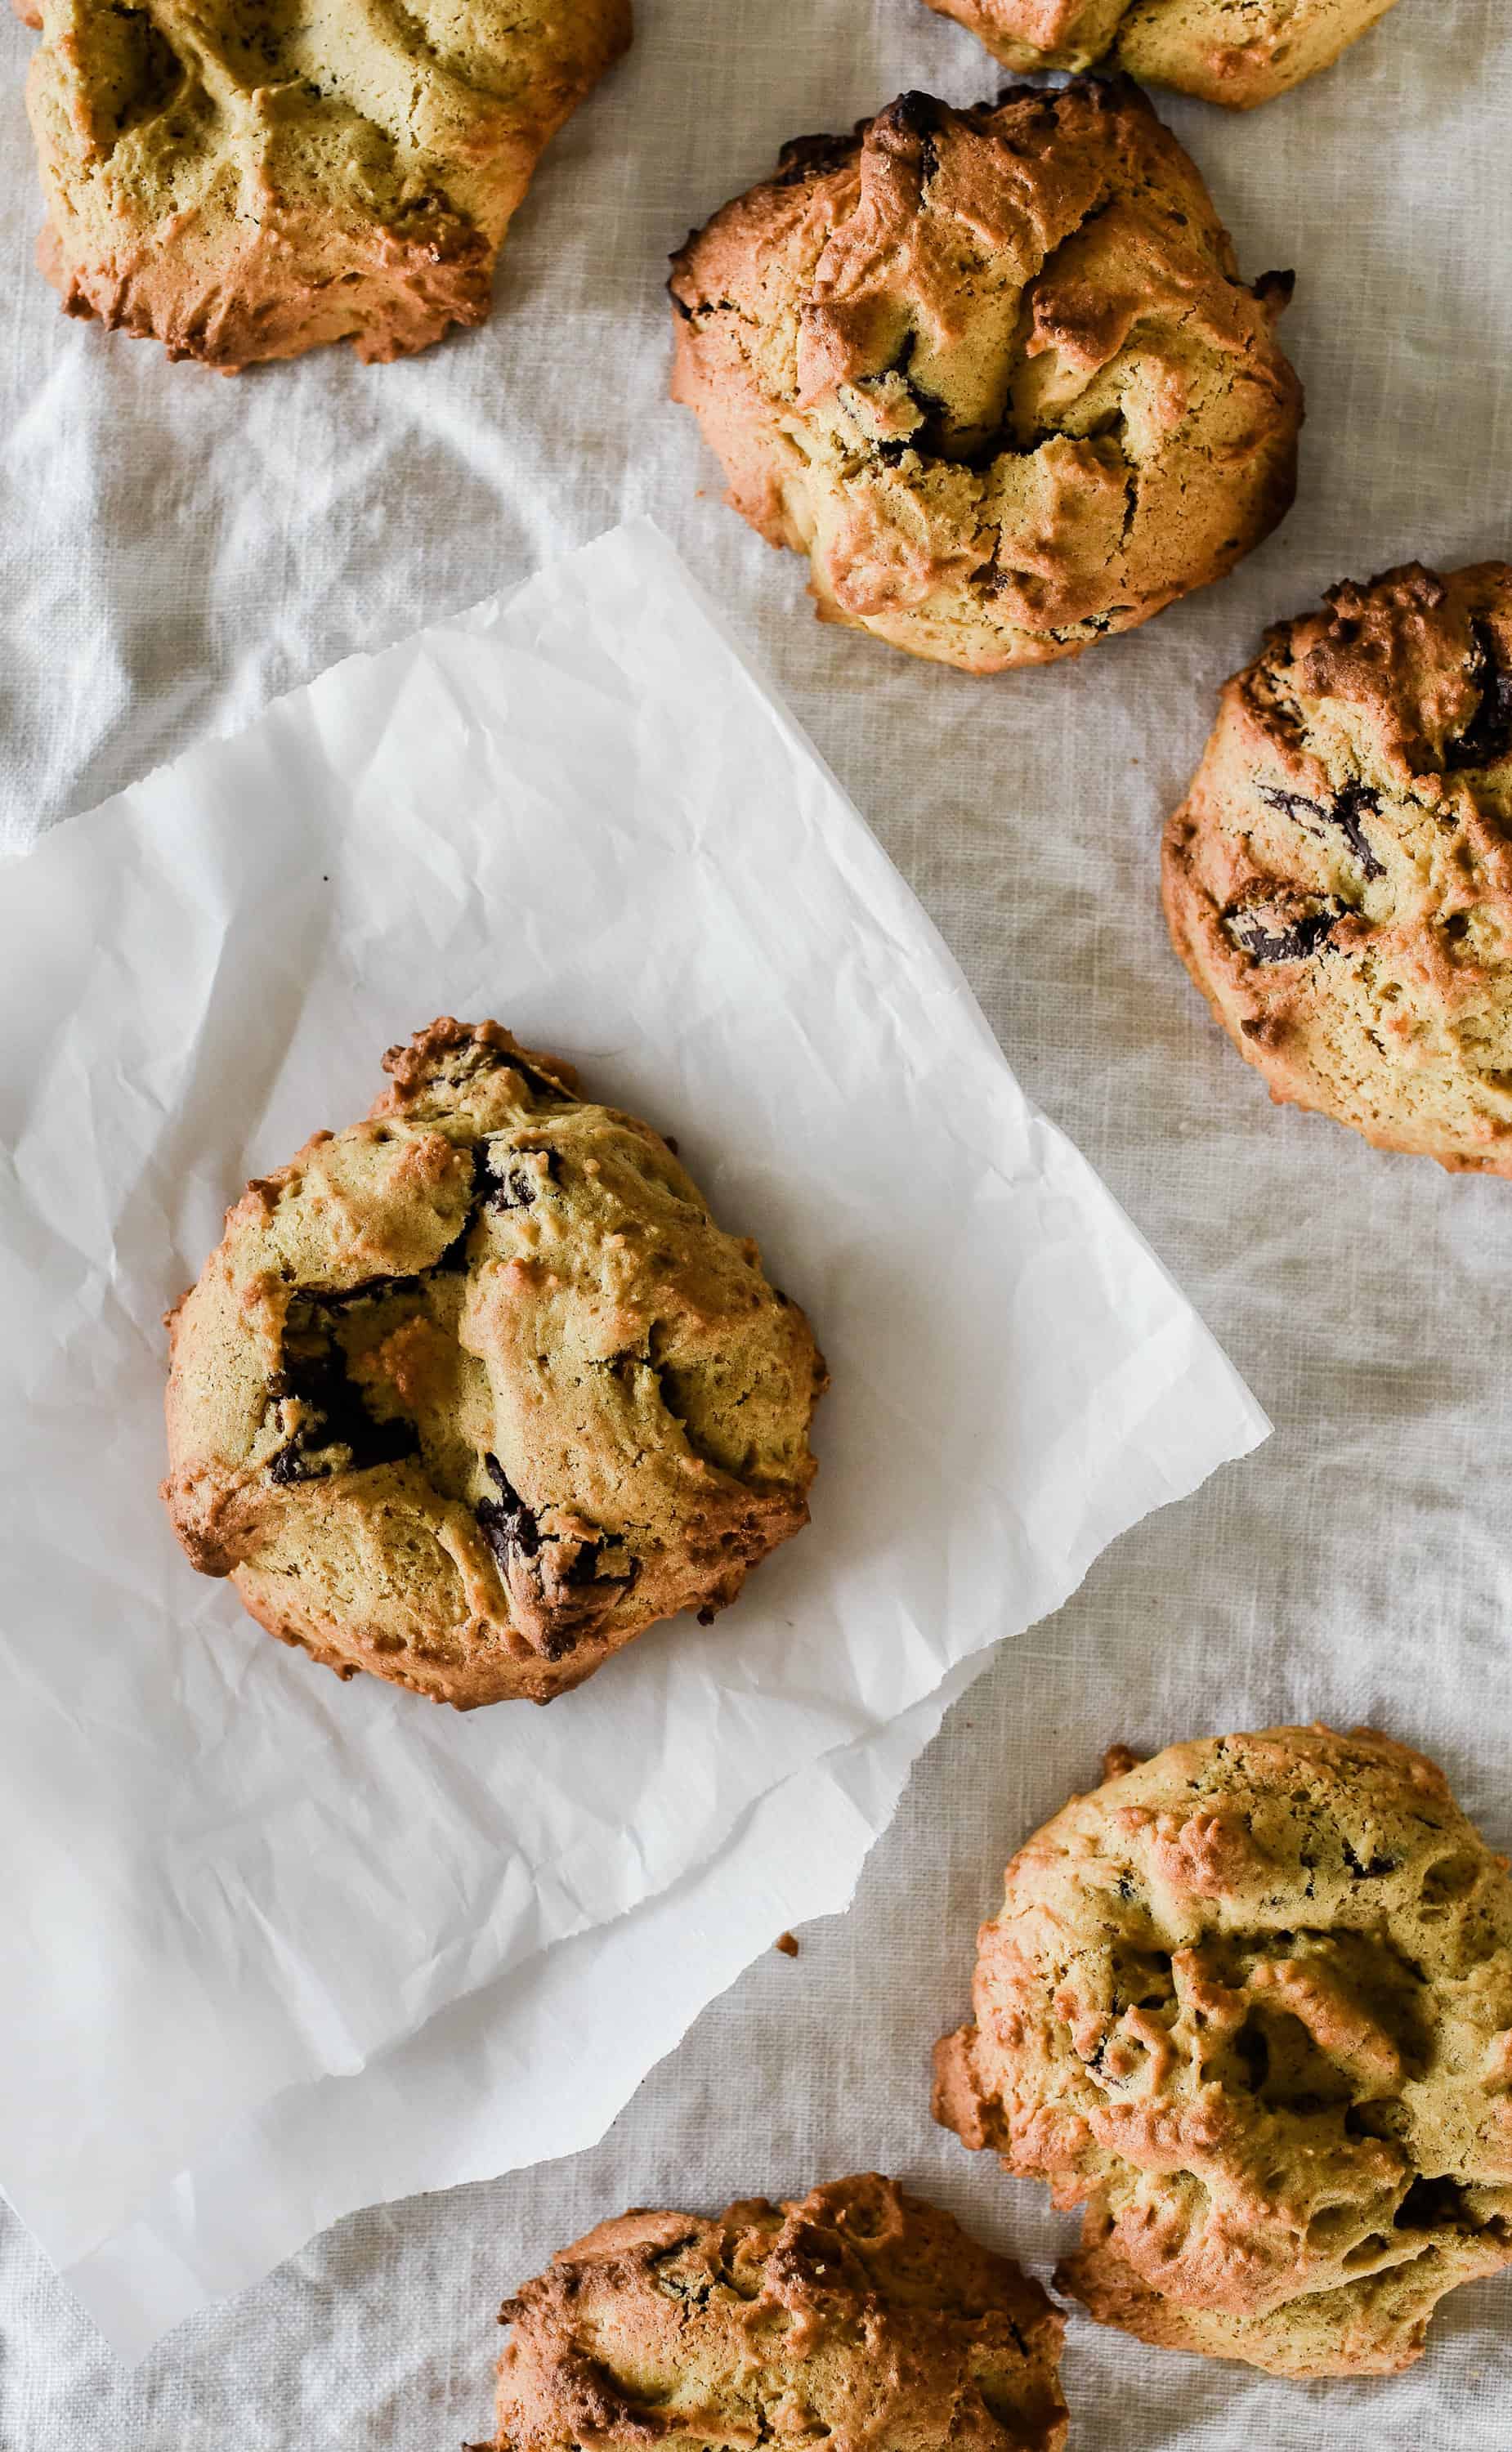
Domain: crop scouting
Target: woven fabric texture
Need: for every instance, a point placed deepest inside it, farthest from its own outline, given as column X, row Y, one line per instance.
column 179, row 548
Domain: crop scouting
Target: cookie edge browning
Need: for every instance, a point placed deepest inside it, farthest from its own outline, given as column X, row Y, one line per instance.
column 1236, row 79
column 401, row 294
column 1213, row 963
column 1102, row 2280
column 533, row 1675
column 634, row 2240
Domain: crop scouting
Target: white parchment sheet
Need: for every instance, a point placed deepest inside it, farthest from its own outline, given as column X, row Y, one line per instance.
column 227, row 1874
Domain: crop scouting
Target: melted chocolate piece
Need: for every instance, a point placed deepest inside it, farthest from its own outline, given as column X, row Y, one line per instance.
column 809, row 157
column 508, row 1525
column 1487, row 737
column 454, row 1260
column 508, row 1185
column 513, row 1534
column 337, row 1417
column 534, row 1080
column 1279, row 932
column 917, row 114
column 1344, row 813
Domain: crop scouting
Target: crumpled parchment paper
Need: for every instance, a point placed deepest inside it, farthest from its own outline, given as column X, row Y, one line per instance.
column 233, row 1882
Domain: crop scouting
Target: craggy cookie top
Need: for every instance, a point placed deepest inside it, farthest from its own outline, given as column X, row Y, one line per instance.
column 1339, row 878
column 993, row 371
column 476, row 1390
column 1251, row 2002
column 244, row 179
column 1238, row 57
column 859, row 2318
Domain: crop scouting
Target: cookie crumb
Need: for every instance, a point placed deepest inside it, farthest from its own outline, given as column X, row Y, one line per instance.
column 787, row 1942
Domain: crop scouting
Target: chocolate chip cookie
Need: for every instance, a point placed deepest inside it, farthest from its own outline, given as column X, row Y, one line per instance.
column 1251, row 2004
column 244, row 179
column 858, row 2316
column 993, row 371
column 1339, row 878
column 476, row 1390
column 1238, row 56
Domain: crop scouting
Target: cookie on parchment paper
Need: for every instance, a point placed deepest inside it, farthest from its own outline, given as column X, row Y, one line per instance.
column 1339, row 878
column 474, row 1392
column 246, row 179
column 857, row 2316
column 993, row 371
column 1236, row 55
column 1249, row 2003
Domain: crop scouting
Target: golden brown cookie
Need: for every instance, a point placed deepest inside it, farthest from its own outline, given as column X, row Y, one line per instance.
column 472, row 1393
column 244, row 179
column 1251, row 2004
column 993, row 371
column 1339, row 878
column 1236, row 55
column 858, row 2316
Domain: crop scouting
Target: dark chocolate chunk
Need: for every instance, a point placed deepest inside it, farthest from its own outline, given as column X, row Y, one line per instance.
column 1487, row 737
column 539, row 1082
column 809, row 157
column 508, row 1525
column 335, row 1417
column 917, row 114
column 454, row 1260
column 1276, row 289
column 1287, row 928
column 1345, row 812
column 503, row 1183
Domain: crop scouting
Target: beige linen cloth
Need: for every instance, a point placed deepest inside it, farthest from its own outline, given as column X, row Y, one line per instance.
column 180, row 549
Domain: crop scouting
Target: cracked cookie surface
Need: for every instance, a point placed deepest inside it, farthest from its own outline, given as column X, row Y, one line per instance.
column 1339, row 878
column 247, row 179
column 474, row 1392
column 993, row 371
column 857, row 2316
column 1251, row 2004
column 1238, row 52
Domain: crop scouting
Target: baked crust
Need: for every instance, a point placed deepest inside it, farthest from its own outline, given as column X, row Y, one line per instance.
column 246, row 184
column 1251, row 2004
column 1236, row 57
column 993, row 371
column 857, row 2316
column 1339, row 878
column 472, row 1393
